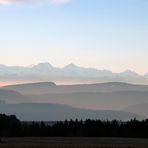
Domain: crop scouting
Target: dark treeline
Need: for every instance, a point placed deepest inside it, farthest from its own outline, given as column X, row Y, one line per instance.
column 10, row 126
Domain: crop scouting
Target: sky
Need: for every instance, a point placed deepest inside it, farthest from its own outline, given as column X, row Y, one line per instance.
column 104, row 34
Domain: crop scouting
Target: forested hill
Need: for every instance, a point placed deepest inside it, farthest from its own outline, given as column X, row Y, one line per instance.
column 10, row 126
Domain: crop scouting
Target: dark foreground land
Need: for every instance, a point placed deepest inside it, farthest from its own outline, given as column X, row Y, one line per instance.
column 73, row 143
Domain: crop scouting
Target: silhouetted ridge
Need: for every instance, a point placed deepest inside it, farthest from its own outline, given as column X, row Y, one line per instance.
column 11, row 96
column 55, row 112
column 37, row 84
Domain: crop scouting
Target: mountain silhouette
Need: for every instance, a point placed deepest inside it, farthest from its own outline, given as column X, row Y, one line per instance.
column 111, row 95
column 71, row 73
column 56, row 112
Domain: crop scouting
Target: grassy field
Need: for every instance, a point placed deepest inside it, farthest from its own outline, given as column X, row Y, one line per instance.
column 73, row 143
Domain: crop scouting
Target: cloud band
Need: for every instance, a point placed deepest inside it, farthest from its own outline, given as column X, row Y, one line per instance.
column 53, row 2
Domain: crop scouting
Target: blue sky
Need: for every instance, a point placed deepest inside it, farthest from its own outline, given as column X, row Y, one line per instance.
column 105, row 34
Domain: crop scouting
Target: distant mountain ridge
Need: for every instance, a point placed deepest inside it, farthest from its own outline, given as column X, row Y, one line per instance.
column 53, row 88
column 71, row 73
column 111, row 95
column 56, row 112
column 11, row 96
column 47, row 67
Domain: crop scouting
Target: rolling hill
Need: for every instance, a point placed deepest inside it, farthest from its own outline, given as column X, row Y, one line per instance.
column 54, row 112
column 141, row 109
column 11, row 96
column 50, row 87
column 112, row 96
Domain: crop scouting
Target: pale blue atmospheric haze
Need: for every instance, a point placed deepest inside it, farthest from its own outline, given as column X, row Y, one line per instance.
column 105, row 34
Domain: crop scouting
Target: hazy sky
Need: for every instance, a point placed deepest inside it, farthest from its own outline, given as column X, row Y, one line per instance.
column 106, row 34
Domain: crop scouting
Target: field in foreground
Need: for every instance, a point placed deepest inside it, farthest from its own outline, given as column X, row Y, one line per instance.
column 73, row 143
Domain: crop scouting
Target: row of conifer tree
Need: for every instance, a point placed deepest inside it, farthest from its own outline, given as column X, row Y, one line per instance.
column 10, row 126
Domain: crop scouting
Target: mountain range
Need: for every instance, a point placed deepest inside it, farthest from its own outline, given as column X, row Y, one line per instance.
column 56, row 112
column 69, row 74
column 53, row 88
column 113, row 97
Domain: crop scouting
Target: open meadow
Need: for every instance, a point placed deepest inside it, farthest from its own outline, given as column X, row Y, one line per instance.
column 73, row 143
